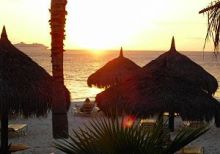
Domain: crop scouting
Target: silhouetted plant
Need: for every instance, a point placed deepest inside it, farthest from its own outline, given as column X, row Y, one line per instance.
column 110, row 136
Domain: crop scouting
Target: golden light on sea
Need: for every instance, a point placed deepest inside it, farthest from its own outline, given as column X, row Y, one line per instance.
column 93, row 91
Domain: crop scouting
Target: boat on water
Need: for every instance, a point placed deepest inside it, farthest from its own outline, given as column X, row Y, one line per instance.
column 32, row 45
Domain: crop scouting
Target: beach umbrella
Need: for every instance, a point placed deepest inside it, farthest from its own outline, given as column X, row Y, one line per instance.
column 114, row 72
column 25, row 87
column 178, row 65
column 165, row 88
column 149, row 96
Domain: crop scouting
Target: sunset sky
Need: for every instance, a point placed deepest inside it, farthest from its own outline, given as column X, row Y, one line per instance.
column 109, row 24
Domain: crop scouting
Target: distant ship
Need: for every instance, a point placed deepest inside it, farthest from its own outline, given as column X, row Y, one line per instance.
column 33, row 45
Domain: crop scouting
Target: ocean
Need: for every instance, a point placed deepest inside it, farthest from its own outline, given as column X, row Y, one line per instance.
column 78, row 65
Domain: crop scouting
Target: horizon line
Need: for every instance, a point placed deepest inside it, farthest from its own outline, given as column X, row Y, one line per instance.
column 133, row 50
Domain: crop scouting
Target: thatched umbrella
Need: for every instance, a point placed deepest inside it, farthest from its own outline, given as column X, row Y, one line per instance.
column 178, row 65
column 25, row 87
column 165, row 88
column 114, row 72
column 148, row 96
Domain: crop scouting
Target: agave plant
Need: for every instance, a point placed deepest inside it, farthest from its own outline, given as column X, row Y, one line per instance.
column 111, row 136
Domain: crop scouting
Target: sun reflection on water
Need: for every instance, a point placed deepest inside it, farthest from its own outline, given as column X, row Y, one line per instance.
column 93, row 91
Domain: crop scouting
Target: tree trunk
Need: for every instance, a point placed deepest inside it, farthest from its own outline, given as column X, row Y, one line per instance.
column 4, row 131
column 59, row 107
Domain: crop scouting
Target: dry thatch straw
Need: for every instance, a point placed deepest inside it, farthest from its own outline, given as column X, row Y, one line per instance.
column 213, row 12
column 165, row 87
column 25, row 86
column 149, row 96
column 178, row 65
column 114, row 72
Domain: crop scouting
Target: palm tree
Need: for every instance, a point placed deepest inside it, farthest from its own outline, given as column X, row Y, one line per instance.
column 59, row 108
column 213, row 12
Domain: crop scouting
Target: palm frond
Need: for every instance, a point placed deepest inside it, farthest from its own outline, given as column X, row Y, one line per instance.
column 109, row 136
column 184, row 137
column 213, row 29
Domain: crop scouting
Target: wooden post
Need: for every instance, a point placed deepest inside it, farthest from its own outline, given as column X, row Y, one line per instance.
column 160, row 116
column 217, row 119
column 4, row 111
column 59, row 107
column 4, row 131
column 171, row 121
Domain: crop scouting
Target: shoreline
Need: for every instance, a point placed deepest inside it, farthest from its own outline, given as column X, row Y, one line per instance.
column 93, row 99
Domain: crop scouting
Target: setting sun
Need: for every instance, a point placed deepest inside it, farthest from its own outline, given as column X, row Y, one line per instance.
column 108, row 26
column 104, row 24
column 97, row 76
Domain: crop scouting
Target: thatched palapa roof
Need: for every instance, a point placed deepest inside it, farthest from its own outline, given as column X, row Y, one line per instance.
column 178, row 65
column 25, row 87
column 156, row 95
column 115, row 71
column 166, row 86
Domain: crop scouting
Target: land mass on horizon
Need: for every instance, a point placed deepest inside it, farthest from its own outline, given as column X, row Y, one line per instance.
column 32, row 45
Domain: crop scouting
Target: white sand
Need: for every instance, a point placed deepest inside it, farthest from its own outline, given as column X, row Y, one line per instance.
column 39, row 135
column 210, row 140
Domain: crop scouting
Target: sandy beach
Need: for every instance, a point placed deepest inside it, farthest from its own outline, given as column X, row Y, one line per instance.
column 39, row 135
